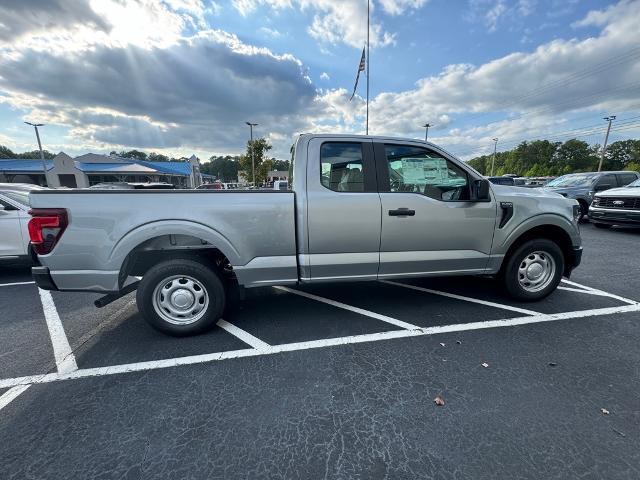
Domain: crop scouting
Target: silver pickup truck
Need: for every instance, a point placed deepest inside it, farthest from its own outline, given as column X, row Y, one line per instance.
column 361, row 208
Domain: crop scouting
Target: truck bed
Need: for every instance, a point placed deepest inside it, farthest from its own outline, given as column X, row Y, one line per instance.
column 255, row 230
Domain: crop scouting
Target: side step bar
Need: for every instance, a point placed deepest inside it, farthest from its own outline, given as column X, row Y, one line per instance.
column 112, row 297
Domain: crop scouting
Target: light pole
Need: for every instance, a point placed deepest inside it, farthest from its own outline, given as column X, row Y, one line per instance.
column 44, row 166
column 609, row 119
column 426, row 132
column 253, row 162
column 493, row 159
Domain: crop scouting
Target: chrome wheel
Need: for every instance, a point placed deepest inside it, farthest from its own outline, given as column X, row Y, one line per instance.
column 180, row 299
column 536, row 271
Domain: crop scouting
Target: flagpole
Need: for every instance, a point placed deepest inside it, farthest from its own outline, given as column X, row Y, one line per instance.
column 368, row 62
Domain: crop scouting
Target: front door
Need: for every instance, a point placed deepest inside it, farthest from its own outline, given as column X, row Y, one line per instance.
column 343, row 208
column 429, row 223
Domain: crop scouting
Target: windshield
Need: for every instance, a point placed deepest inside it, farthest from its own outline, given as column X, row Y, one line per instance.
column 571, row 181
column 20, row 197
column 634, row 184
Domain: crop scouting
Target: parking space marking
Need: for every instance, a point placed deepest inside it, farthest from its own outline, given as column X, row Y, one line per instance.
column 16, row 283
column 65, row 359
column 461, row 297
column 351, row 308
column 243, row 335
column 596, row 291
column 11, row 394
column 289, row 347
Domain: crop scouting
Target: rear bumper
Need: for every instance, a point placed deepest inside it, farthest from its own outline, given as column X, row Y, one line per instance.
column 42, row 277
column 614, row 217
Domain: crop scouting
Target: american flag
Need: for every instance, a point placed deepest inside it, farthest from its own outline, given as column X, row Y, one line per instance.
column 361, row 67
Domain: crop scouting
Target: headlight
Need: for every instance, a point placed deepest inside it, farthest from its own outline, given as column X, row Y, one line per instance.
column 596, row 201
column 576, row 212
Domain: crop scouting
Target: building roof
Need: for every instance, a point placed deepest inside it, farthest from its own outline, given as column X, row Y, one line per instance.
column 172, row 168
column 99, row 164
column 113, row 167
column 24, row 165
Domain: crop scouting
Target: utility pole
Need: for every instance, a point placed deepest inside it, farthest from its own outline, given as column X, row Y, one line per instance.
column 493, row 160
column 609, row 119
column 253, row 160
column 44, row 165
column 426, row 132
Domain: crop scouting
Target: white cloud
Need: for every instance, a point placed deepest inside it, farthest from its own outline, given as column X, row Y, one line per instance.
column 335, row 22
column 324, row 76
column 271, row 32
column 564, row 75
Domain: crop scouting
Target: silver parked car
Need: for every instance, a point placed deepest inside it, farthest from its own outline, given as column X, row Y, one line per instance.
column 14, row 217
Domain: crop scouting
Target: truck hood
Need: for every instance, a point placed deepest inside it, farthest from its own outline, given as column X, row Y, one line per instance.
column 511, row 192
column 566, row 191
column 620, row 192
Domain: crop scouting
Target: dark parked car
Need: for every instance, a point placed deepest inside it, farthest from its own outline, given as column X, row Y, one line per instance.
column 502, row 181
column 583, row 186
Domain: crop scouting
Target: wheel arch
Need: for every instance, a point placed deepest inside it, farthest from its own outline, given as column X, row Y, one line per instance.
column 140, row 249
column 551, row 232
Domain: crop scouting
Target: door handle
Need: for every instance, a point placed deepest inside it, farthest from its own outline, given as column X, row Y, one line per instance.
column 402, row 212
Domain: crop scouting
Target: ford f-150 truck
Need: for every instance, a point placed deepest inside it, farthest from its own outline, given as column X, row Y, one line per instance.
column 361, row 208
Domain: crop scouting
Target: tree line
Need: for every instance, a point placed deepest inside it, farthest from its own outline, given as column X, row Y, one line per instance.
column 541, row 158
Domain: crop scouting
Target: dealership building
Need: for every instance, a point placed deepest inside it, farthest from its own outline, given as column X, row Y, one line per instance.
column 90, row 169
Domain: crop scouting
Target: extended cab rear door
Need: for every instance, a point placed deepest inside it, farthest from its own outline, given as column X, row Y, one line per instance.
column 343, row 209
column 429, row 223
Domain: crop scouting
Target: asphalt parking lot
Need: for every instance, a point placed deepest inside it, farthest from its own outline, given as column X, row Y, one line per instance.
column 333, row 381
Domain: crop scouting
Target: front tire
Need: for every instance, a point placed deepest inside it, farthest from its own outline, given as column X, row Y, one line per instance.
column 533, row 270
column 181, row 297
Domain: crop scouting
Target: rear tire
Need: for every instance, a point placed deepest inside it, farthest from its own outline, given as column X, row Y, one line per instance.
column 181, row 297
column 533, row 270
column 602, row 225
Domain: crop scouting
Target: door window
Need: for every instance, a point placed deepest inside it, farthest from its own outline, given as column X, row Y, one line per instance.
column 626, row 178
column 342, row 167
column 418, row 170
column 606, row 181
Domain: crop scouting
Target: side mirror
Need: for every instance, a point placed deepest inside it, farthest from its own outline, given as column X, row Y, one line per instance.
column 480, row 191
column 602, row 187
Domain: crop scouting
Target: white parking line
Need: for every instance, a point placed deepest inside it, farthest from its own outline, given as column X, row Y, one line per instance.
column 11, row 394
column 243, row 335
column 461, row 297
column 16, row 283
column 351, row 308
column 290, row 347
column 65, row 359
column 596, row 291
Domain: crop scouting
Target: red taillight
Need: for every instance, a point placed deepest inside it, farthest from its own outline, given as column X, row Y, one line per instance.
column 46, row 227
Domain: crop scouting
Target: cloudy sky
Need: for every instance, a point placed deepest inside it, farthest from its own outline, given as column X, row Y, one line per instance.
column 182, row 76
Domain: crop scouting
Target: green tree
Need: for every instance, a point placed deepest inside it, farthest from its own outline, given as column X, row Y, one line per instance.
column 225, row 168
column 256, row 149
column 574, row 156
column 158, row 157
column 136, row 154
column 36, row 154
column 5, row 152
column 281, row 165
column 620, row 154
